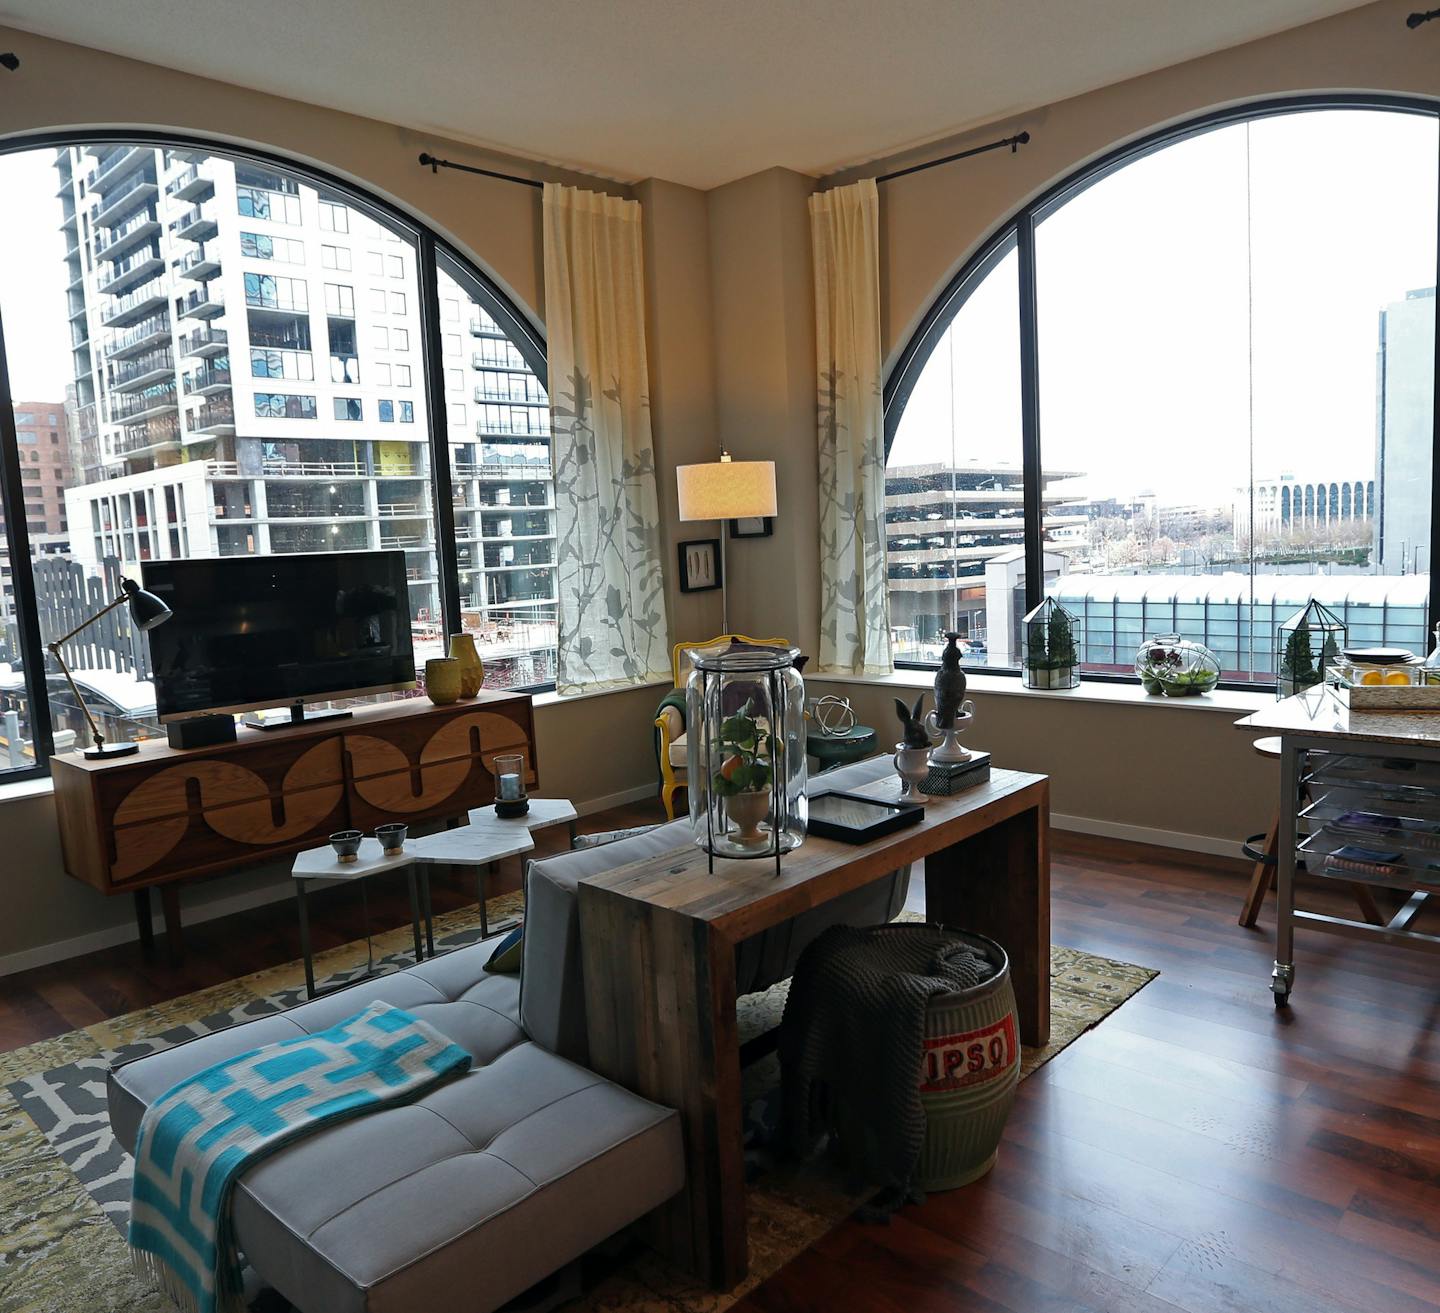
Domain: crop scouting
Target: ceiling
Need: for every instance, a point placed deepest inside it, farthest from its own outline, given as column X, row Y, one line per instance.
column 694, row 91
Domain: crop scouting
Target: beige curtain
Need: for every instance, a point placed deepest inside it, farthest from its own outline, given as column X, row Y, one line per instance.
column 612, row 620
column 854, row 592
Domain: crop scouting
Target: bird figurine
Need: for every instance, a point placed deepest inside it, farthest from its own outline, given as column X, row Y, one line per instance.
column 949, row 684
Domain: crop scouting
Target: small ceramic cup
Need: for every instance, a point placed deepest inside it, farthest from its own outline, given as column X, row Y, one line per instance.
column 392, row 837
column 347, row 845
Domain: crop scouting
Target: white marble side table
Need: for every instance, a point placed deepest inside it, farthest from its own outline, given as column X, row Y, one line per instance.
column 321, row 864
column 488, row 839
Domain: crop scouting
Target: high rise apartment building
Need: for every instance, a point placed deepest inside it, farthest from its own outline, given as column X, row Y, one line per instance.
column 1405, row 434
column 249, row 380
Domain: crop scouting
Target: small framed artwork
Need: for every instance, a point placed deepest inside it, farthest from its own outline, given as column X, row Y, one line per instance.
column 757, row 526
column 700, row 565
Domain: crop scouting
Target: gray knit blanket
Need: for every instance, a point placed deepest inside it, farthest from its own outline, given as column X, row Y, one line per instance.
column 852, row 1043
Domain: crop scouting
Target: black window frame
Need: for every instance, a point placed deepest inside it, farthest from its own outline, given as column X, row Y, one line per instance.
column 1017, row 231
column 431, row 251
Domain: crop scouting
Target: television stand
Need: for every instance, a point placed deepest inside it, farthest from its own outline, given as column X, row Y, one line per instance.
column 298, row 716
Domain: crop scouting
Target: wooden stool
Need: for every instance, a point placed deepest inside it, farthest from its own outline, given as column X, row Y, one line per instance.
column 1269, row 850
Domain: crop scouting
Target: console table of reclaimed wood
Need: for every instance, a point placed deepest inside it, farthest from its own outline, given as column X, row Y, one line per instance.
column 658, row 939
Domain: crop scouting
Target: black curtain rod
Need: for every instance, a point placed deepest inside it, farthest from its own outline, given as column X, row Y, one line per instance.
column 436, row 165
column 1416, row 19
column 1015, row 142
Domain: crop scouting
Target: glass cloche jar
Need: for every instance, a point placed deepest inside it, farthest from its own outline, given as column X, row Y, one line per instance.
column 1176, row 667
column 745, row 734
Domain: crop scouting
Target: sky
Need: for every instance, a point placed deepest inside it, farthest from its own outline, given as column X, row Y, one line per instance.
column 1147, row 318
column 32, row 278
column 1146, row 321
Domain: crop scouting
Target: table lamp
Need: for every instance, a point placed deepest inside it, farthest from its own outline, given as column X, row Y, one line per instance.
column 146, row 611
column 726, row 490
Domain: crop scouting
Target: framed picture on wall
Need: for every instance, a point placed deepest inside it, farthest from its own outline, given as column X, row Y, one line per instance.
column 757, row 526
column 700, row 565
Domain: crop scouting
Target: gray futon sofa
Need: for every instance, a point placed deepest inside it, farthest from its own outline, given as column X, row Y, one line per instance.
column 484, row 1186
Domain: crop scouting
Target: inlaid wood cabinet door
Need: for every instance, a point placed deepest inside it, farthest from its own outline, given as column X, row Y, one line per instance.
column 168, row 814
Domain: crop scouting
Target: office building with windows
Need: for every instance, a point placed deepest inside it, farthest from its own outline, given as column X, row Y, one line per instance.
column 247, row 355
column 944, row 523
column 1405, row 433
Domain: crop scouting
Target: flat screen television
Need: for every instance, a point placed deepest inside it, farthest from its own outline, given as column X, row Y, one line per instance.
column 251, row 632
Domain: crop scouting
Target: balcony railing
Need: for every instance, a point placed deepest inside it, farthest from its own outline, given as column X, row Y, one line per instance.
column 204, row 303
column 540, row 428
column 201, row 382
column 536, row 469
column 162, row 431
column 199, row 264
column 113, row 163
column 510, row 361
column 197, row 223
column 214, row 417
column 131, row 307
column 208, row 341
column 140, row 405
column 288, row 469
column 136, row 338
column 131, row 270
column 139, row 370
column 119, row 201
column 126, row 235
column 189, row 184
column 483, row 326
column 402, row 510
column 506, row 399
column 411, row 542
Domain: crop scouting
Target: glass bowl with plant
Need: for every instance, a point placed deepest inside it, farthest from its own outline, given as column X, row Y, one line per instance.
column 1176, row 667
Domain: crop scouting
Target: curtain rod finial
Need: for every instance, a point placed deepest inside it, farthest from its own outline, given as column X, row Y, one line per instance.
column 427, row 158
column 10, row 60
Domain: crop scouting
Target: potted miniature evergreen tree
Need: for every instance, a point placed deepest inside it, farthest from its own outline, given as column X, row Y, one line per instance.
column 1052, row 655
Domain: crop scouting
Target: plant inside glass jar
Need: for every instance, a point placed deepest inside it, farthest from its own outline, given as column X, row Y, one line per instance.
column 744, row 777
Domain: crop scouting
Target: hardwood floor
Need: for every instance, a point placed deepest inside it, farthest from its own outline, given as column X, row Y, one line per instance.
column 1198, row 1151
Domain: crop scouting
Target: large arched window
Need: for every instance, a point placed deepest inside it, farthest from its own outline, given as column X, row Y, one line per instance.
column 1102, row 406
column 213, row 353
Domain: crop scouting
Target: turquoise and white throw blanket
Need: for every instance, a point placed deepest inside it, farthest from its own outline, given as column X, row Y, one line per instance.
column 197, row 1138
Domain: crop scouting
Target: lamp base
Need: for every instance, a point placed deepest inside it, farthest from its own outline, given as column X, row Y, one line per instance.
column 107, row 750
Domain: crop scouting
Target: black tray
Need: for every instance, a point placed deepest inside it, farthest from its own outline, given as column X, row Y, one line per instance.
column 854, row 818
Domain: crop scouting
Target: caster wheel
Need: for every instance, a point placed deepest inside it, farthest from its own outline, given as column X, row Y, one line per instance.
column 1282, row 1000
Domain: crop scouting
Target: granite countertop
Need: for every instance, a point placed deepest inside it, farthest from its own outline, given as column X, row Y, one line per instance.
column 1321, row 712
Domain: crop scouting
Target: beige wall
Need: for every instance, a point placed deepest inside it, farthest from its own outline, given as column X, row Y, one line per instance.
column 729, row 307
column 1171, row 773
column 765, row 392
column 932, row 222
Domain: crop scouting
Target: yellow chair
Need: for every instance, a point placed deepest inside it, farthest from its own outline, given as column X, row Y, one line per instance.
column 670, row 746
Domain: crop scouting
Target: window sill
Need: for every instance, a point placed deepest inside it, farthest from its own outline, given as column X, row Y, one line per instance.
column 1230, row 701
column 552, row 698
column 23, row 789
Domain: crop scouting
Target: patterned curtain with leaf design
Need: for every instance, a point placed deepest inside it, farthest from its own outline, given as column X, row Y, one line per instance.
column 854, row 591
column 613, row 627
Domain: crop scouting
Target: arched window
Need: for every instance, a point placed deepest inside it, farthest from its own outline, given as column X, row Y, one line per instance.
column 1196, row 310
column 237, row 356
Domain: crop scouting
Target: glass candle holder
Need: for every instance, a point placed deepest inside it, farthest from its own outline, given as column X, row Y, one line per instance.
column 746, row 751
column 510, row 798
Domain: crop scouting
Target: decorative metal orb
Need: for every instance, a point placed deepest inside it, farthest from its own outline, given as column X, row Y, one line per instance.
column 832, row 715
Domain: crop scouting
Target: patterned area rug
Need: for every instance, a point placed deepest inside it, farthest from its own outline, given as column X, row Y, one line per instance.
column 64, row 1182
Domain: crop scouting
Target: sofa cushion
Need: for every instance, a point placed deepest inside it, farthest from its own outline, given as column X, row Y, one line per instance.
column 462, row 1199
column 552, row 987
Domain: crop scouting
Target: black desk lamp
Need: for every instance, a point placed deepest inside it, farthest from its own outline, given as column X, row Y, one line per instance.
column 146, row 611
